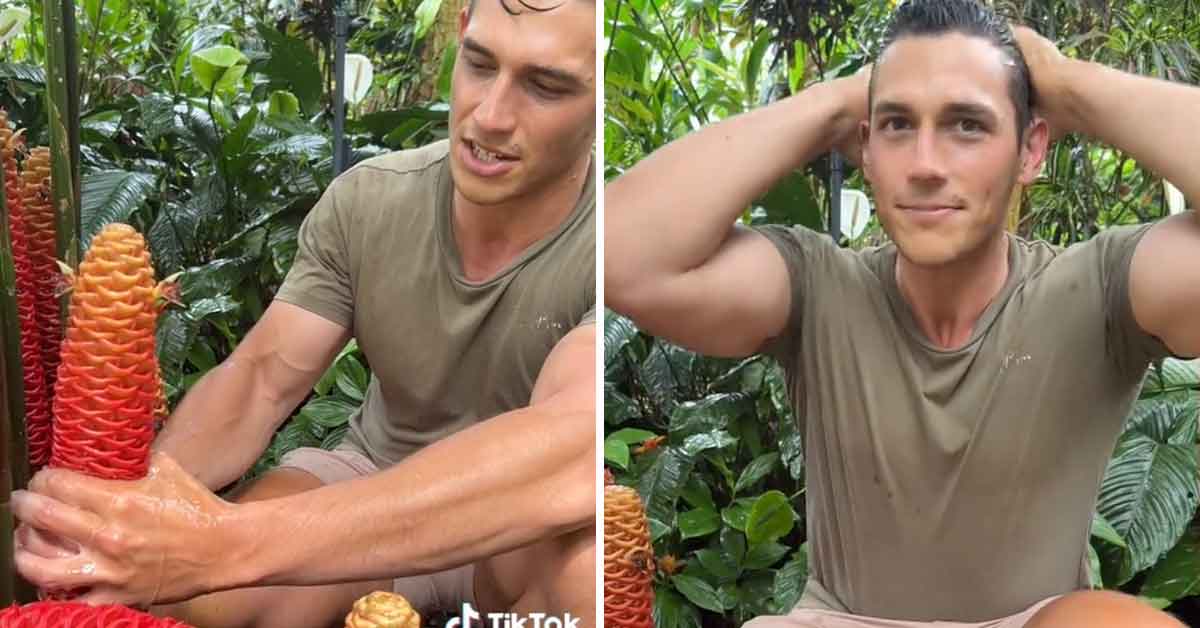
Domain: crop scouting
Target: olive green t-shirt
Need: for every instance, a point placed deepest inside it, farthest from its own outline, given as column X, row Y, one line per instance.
column 377, row 255
column 957, row 485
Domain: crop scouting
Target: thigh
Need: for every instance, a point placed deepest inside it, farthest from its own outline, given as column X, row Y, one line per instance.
column 554, row 576
column 266, row 607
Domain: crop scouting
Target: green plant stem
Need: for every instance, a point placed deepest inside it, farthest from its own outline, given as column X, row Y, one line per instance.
column 612, row 37
column 693, row 106
column 91, row 62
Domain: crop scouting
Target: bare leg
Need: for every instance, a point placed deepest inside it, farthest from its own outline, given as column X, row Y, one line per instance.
column 1100, row 609
column 554, row 576
column 266, row 607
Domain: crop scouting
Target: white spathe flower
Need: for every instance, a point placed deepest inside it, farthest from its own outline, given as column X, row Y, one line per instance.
column 12, row 20
column 359, row 75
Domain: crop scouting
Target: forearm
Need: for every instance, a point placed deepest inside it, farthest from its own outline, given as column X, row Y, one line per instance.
column 695, row 187
column 224, row 423
column 520, row 477
column 1152, row 120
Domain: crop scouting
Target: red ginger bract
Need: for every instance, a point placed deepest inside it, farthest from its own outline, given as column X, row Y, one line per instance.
column 37, row 390
column 628, row 560
column 109, row 393
column 79, row 615
column 40, row 227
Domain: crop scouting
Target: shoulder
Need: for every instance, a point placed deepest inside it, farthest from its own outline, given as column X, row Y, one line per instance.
column 391, row 176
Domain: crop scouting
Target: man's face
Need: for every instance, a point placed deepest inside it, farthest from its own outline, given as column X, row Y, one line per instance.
column 523, row 99
column 941, row 148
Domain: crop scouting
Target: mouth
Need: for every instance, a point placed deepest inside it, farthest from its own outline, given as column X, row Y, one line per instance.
column 487, row 155
column 930, row 208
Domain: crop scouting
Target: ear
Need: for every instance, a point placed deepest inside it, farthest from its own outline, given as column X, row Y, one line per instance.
column 1033, row 150
column 463, row 18
column 864, row 136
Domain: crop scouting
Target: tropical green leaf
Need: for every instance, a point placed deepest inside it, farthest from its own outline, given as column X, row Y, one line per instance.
column 698, row 592
column 328, row 411
column 771, row 517
column 671, row 610
column 661, row 484
column 631, row 436
column 756, row 470
column 292, row 65
column 698, row 522
column 790, row 581
column 616, row 453
column 110, row 196
column 425, row 15
column 1178, row 574
column 1149, row 494
column 219, row 68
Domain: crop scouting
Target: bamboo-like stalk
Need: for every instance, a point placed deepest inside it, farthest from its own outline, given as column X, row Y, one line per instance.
column 14, row 455
column 62, row 98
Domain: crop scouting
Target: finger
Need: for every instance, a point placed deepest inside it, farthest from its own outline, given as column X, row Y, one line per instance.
column 77, row 489
column 101, row 595
column 55, row 574
column 45, row 544
column 54, row 516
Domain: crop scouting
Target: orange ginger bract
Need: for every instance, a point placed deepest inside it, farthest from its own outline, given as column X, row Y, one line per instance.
column 628, row 560
column 383, row 609
column 33, row 373
column 108, row 393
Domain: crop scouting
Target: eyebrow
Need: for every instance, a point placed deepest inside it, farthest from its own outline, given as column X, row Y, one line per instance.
column 554, row 74
column 957, row 108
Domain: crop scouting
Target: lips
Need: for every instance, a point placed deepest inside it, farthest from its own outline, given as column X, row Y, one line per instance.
column 485, row 161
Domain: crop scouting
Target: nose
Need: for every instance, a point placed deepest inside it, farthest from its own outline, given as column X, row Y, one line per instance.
column 494, row 114
column 927, row 162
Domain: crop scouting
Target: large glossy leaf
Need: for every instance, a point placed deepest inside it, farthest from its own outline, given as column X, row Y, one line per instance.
column 790, row 581
column 714, row 412
column 1149, row 494
column 219, row 68
column 328, row 411
column 791, row 202
column 698, row 592
column 777, row 403
column 292, row 65
column 26, row 72
column 671, row 610
column 425, row 15
column 661, row 484
column 618, row 333
column 756, row 470
column 618, row 407
column 1177, row 575
column 1171, row 375
column 666, row 374
column 771, row 517
column 698, row 522
column 111, row 196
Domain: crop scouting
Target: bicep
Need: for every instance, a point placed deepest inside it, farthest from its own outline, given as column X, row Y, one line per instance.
column 568, row 376
column 1164, row 283
column 290, row 348
column 729, row 306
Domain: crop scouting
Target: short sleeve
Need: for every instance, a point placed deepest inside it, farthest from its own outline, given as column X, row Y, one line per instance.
column 320, row 278
column 798, row 246
column 1130, row 346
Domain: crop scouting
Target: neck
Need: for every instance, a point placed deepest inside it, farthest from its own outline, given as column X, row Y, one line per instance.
column 490, row 237
column 947, row 301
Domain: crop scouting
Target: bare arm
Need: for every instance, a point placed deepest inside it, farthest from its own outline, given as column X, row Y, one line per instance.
column 517, row 478
column 226, row 420
column 675, row 263
column 1154, row 121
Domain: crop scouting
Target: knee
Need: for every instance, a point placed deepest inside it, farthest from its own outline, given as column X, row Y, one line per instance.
column 1100, row 609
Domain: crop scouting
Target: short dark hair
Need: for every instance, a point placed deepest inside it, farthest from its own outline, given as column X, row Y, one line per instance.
column 516, row 7
column 924, row 18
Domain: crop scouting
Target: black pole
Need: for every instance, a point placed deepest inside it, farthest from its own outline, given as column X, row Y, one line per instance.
column 835, row 196
column 341, row 28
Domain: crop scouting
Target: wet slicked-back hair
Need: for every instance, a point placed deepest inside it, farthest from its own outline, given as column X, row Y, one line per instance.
column 926, row 18
column 517, row 7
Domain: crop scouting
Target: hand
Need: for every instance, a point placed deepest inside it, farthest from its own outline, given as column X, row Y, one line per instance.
column 856, row 91
column 159, row 539
column 1048, row 73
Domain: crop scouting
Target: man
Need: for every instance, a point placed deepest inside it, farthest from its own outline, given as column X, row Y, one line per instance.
column 466, row 271
column 961, row 389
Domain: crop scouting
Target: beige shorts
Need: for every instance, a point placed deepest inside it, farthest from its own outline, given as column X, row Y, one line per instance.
column 814, row 618
column 441, row 591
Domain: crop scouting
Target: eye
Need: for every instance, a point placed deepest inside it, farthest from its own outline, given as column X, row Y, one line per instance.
column 547, row 90
column 894, row 124
column 970, row 127
column 477, row 66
